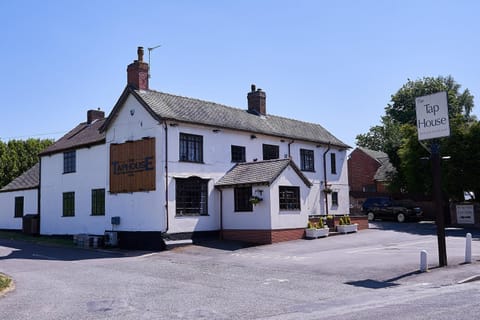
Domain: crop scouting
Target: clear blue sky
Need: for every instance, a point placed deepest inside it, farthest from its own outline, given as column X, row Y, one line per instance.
column 335, row 63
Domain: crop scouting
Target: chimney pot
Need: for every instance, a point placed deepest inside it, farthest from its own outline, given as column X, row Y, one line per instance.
column 253, row 87
column 137, row 72
column 140, row 54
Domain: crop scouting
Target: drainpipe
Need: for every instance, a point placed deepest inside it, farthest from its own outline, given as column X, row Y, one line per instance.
column 325, row 181
column 289, row 156
column 221, row 214
column 39, row 193
column 166, row 176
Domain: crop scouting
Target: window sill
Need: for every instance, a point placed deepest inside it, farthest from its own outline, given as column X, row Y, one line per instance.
column 189, row 161
column 191, row 215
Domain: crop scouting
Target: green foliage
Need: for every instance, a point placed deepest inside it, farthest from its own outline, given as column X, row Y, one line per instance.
column 4, row 282
column 17, row 156
column 402, row 108
column 397, row 136
column 345, row 220
column 316, row 225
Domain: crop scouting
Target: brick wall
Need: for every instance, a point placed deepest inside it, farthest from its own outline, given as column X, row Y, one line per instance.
column 361, row 170
column 264, row 236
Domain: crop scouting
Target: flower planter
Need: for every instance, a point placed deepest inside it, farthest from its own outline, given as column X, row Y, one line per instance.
column 316, row 233
column 346, row 228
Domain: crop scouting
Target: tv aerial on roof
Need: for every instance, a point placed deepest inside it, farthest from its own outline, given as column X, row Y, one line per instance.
column 149, row 51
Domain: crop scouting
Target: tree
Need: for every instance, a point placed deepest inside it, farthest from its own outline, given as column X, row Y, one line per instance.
column 17, row 156
column 397, row 136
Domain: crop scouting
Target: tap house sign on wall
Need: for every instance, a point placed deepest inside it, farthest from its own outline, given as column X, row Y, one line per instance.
column 132, row 166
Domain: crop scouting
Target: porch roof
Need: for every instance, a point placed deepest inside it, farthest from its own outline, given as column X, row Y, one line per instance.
column 258, row 173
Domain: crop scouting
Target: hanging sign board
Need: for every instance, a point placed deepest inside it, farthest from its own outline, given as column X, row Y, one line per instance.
column 432, row 116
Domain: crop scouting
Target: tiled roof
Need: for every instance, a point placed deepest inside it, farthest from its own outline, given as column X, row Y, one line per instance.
column 28, row 180
column 167, row 106
column 386, row 169
column 258, row 173
column 82, row 135
column 374, row 154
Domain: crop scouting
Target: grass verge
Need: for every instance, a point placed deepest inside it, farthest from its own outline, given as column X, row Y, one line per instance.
column 5, row 283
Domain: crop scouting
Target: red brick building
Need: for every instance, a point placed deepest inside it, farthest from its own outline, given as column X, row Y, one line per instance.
column 369, row 173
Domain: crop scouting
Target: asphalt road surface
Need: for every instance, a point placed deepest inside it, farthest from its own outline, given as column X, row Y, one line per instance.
column 366, row 275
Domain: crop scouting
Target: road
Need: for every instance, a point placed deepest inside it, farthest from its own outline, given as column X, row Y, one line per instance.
column 372, row 273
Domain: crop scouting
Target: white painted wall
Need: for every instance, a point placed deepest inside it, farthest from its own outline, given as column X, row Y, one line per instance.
column 285, row 219
column 267, row 214
column 138, row 211
column 339, row 184
column 258, row 219
column 90, row 174
column 146, row 211
column 7, row 207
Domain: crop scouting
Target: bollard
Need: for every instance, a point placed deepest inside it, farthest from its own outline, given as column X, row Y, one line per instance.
column 423, row 261
column 468, row 249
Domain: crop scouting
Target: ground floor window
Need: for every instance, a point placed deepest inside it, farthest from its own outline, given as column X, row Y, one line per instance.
column 334, row 198
column 191, row 196
column 242, row 197
column 19, row 205
column 289, row 198
column 69, row 204
column 98, row 202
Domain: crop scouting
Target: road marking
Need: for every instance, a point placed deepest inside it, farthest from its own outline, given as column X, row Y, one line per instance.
column 269, row 257
column 271, row 280
column 43, row 256
column 387, row 247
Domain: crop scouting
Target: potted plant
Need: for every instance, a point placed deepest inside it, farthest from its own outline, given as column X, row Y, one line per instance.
column 346, row 225
column 255, row 200
column 316, row 229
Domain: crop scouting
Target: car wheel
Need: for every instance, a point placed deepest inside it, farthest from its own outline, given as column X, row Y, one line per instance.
column 401, row 217
column 371, row 216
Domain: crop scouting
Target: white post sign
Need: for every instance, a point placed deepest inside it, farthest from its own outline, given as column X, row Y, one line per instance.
column 432, row 116
column 465, row 214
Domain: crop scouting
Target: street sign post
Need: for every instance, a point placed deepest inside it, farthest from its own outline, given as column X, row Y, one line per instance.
column 433, row 123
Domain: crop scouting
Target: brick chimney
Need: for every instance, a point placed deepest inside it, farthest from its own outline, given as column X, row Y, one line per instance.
column 93, row 115
column 257, row 101
column 137, row 72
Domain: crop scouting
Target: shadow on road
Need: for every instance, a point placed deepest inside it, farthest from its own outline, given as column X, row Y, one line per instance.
column 32, row 251
column 424, row 228
column 376, row 284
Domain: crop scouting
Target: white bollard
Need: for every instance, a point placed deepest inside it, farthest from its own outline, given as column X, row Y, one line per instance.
column 468, row 249
column 423, row 261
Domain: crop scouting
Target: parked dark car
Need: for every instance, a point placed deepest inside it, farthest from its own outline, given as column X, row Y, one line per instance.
column 387, row 208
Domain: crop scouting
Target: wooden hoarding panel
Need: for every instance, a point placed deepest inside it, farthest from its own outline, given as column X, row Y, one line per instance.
column 132, row 166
